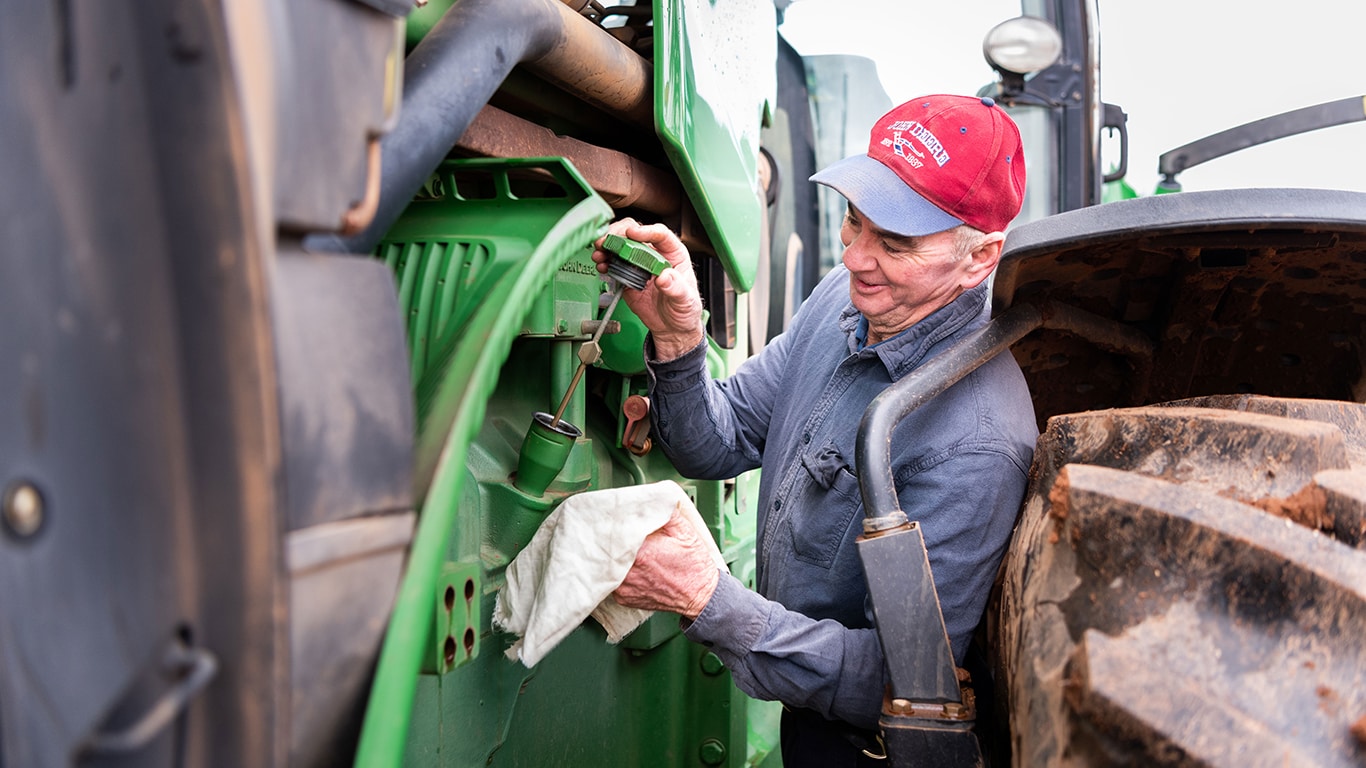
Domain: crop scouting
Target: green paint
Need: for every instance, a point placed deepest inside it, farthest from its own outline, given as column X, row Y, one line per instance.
column 510, row 246
column 714, row 87
column 494, row 341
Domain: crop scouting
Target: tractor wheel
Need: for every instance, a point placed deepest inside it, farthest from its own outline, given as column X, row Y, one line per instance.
column 1187, row 586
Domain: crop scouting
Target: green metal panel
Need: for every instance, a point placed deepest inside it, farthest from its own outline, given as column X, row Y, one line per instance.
column 527, row 238
column 1118, row 190
column 714, row 84
column 493, row 270
column 623, row 351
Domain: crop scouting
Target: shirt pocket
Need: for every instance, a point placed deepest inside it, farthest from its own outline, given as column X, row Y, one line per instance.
column 819, row 526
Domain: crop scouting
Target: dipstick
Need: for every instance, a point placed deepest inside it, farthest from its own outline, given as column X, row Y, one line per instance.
column 588, row 353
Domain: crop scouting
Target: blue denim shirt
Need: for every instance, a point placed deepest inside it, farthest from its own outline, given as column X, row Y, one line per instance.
column 959, row 462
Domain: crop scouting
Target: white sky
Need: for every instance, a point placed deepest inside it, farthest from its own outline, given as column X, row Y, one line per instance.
column 1181, row 69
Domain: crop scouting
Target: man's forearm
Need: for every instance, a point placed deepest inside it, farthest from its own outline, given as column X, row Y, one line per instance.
column 780, row 655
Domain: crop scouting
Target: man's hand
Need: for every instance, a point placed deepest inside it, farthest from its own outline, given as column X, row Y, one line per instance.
column 674, row 571
column 669, row 305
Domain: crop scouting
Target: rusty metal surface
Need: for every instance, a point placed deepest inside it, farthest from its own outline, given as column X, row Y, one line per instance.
column 359, row 216
column 589, row 62
column 621, row 179
column 459, row 65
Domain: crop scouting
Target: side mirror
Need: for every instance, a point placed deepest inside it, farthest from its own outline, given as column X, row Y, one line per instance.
column 1115, row 119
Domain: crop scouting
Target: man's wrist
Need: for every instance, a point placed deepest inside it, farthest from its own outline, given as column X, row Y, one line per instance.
column 672, row 346
column 703, row 597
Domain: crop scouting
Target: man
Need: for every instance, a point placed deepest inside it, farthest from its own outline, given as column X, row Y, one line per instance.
column 927, row 204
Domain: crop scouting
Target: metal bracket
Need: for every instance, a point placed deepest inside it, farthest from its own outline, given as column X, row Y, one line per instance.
column 636, row 436
column 1296, row 121
column 458, row 595
column 909, row 622
column 194, row 668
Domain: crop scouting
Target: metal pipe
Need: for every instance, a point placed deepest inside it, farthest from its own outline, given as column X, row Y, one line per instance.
column 910, row 621
column 873, row 446
column 901, row 589
column 451, row 75
column 873, row 452
column 1109, row 335
column 622, row 180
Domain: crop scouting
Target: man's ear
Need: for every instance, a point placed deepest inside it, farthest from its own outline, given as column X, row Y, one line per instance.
column 983, row 260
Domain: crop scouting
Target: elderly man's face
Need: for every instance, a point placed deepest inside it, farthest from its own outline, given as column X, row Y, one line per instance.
column 897, row 281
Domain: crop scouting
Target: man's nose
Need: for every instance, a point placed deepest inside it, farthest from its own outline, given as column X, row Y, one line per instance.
column 858, row 255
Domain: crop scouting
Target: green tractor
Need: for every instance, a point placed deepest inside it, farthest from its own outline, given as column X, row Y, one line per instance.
column 304, row 343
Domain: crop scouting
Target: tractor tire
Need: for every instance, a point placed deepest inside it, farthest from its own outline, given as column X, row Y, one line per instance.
column 1187, row 586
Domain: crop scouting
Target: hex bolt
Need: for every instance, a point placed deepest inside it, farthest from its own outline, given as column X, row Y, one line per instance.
column 712, row 664
column 712, row 752
column 23, row 508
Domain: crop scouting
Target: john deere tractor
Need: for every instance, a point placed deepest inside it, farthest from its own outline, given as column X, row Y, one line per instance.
column 303, row 341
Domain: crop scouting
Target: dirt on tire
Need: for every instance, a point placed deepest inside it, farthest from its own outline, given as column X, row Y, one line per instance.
column 1184, row 584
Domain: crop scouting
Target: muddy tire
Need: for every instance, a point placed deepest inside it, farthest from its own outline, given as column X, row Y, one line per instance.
column 1187, row 586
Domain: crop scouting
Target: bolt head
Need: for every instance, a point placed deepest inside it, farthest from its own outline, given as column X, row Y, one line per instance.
column 712, row 664
column 23, row 508
column 712, row 752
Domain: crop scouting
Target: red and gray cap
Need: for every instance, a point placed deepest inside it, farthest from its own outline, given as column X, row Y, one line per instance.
column 934, row 163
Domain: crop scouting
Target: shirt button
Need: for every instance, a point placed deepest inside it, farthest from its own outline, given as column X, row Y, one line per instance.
column 806, row 438
column 777, row 504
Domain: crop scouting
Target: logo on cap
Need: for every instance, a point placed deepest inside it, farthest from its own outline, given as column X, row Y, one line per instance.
column 902, row 146
column 922, row 134
column 924, row 194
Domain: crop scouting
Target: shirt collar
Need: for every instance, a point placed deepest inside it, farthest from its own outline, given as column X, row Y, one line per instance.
column 904, row 351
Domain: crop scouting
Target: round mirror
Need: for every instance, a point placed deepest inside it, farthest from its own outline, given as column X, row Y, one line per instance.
column 1022, row 45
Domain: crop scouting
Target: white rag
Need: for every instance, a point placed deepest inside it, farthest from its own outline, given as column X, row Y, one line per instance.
column 577, row 558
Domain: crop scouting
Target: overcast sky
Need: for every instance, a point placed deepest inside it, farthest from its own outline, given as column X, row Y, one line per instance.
column 1181, row 69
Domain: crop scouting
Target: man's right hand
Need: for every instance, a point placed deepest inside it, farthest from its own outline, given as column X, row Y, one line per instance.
column 676, row 569
column 669, row 305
